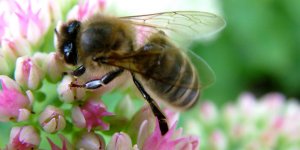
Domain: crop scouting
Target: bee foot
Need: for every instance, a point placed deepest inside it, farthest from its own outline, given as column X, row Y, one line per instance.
column 73, row 85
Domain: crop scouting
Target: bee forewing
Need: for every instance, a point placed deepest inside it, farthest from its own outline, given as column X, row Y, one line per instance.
column 181, row 26
column 205, row 72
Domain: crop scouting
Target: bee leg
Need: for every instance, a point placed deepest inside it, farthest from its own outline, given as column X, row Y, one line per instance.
column 97, row 83
column 163, row 125
column 79, row 71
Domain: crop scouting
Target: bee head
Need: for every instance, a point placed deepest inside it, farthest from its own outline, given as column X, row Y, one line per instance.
column 67, row 36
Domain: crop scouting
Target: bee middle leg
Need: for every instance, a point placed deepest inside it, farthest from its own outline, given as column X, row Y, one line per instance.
column 97, row 83
column 163, row 125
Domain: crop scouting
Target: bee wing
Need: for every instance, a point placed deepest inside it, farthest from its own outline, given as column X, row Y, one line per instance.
column 206, row 74
column 181, row 26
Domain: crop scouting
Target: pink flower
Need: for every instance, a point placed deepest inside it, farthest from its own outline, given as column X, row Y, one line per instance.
column 12, row 100
column 149, row 134
column 23, row 138
column 28, row 74
column 85, row 9
column 171, row 140
column 90, row 115
column 65, row 144
column 27, row 21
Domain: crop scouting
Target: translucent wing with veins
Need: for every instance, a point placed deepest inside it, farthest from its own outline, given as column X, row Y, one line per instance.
column 181, row 26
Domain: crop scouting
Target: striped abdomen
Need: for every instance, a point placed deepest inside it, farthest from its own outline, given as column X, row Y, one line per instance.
column 173, row 79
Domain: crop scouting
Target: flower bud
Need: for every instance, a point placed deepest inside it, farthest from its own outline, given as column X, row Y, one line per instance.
column 90, row 140
column 23, row 138
column 218, row 140
column 52, row 119
column 55, row 67
column 145, row 131
column 13, row 48
column 23, row 114
column 68, row 94
column 138, row 122
column 120, row 141
column 90, row 115
column 125, row 107
column 208, row 113
column 41, row 60
column 12, row 100
column 54, row 10
column 28, row 74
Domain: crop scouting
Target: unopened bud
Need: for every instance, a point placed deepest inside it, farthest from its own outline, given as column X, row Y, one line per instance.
column 55, row 67
column 90, row 140
column 120, row 141
column 68, row 94
column 52, row 119
column 24, row 138
column 14, row 48
column 28, row 74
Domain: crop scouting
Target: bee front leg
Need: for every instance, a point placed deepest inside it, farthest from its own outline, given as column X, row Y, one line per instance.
column 79, row 71
column 163, row 125
column 97, row 83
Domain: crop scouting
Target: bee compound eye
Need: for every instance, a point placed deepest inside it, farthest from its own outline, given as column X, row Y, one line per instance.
column 70, row 53
column 73, row 27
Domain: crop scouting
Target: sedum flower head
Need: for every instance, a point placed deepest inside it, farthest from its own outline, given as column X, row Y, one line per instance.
column 269, row 122
column 39, row 104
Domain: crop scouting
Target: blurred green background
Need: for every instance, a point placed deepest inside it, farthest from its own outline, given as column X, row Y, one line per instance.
column 258, row 51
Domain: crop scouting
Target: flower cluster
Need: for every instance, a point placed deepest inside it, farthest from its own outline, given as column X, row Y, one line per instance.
column 38, row 104
column 270, row 122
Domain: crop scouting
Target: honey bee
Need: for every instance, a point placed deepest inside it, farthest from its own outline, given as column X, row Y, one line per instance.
column 157, row 66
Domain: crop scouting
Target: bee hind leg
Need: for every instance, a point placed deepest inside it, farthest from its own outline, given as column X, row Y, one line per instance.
column 97, row 83
column 163, row 125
